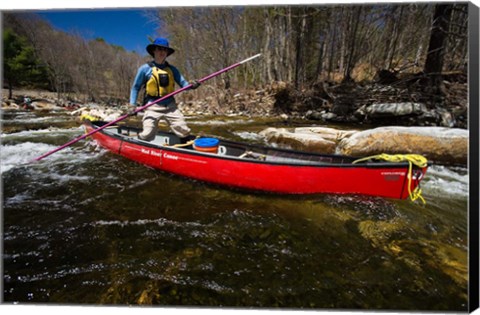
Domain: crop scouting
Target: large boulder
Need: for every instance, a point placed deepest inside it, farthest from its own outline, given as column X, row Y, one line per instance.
column 330, row 134
column 438, row 144
column 9, row 105
column 305, row 141
column 393, row 109
column 99, row 112
column 44, row 105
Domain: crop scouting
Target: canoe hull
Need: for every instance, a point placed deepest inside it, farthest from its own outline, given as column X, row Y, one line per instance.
column 383, row 179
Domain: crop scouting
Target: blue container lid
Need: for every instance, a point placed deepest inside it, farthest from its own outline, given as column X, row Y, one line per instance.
column 206, row 142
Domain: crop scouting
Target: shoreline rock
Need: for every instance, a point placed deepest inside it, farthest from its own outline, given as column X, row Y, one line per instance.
column 306, row 141
column 441, row 145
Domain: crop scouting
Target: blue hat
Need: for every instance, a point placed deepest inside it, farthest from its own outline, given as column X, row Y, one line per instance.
column 160, row 42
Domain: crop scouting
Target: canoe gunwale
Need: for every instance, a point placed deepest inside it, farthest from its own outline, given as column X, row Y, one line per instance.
column 249, row 147
column 132, row 140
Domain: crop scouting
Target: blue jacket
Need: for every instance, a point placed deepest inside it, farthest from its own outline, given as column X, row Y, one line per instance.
column 143, row 75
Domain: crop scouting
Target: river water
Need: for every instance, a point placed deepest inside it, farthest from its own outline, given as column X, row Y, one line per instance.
column 87, row 227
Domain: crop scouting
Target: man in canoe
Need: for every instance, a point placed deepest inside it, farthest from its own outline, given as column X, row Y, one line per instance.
column 159, row 78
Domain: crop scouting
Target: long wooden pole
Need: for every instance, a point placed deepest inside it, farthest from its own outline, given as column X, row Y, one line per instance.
column 142, row 108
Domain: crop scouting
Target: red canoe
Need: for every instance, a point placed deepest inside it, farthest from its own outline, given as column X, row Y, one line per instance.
column 254, row 167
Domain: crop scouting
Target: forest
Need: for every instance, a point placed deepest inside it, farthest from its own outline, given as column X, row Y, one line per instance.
column 300, row 46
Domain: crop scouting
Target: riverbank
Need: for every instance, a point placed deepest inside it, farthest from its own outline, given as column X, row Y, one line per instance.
column 400, row 101
column 438, row 133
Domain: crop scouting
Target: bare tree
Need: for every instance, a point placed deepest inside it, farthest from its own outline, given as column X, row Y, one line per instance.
column 438, row 38
column 300, row 45
column 437, row 46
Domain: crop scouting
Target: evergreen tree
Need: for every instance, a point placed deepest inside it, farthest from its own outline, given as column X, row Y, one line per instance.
column 19, row 63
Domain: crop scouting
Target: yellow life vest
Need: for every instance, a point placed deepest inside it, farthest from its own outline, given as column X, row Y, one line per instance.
column 161, row 82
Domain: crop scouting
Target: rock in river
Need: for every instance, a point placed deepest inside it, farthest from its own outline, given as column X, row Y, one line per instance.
column 438, row 144
column 445, row 145
column 306, row 141
column 330, row 134
column 393, row 109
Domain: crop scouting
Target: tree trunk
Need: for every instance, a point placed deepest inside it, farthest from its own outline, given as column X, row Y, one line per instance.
column 396, row 35
column 352, row 44
column 436, row 50
column 438, row 39
column 10, row 90
column 299, row 48
column 266, row 46
column 289, row 47
column 320, row 60
column 333, row 43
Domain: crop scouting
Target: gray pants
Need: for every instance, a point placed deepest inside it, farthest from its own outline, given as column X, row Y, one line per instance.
column 170, row 113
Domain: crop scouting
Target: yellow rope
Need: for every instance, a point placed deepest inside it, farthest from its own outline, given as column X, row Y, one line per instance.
column 412, row 159
column 89, row 117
